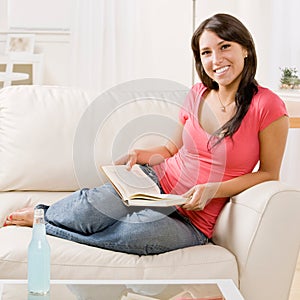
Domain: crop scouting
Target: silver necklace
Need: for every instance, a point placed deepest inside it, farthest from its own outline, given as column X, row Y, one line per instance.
column 223, row 107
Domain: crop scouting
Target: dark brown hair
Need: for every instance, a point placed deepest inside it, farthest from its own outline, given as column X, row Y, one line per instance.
column 231, row 29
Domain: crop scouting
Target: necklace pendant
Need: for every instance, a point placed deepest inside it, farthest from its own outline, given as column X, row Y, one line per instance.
column 223, row 109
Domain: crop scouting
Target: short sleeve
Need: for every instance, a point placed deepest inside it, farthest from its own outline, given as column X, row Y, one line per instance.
column 270, row 107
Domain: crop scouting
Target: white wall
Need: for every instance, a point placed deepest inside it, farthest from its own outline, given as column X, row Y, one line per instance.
column 166, row 32
column 55, row 44
column 56, row 50
column 167, row 27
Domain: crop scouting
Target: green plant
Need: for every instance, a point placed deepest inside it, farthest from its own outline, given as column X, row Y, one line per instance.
column 289, row 78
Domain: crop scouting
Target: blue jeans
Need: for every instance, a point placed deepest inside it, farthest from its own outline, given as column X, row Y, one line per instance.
column 98, row 217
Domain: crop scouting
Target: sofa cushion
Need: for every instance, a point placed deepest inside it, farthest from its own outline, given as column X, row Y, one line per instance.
column 70, row 260
column 37, row 128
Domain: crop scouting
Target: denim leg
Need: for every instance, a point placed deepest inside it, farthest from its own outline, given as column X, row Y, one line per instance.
column 149, row 232
column 88, row 210
column 143, row 232
column 97, row 217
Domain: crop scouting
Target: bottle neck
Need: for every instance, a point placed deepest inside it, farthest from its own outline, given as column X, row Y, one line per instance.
column 39, row 230
column 38, row 219
column 39, row 223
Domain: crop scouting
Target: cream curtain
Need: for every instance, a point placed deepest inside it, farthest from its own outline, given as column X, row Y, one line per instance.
column 285, row 42
column 103, row 43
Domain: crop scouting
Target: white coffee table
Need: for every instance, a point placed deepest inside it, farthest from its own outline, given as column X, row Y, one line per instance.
column 125, row 289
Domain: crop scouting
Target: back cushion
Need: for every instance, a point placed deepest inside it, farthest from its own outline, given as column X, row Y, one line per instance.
column 141, row 113
column 56, row 138
column 37, row 128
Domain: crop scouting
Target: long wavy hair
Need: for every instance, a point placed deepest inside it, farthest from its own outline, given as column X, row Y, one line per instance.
column 229, row 29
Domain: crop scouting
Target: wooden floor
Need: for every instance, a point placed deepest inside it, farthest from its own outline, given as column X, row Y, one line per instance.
column 295, row 291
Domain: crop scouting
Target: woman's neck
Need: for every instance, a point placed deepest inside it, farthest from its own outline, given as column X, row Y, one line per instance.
column 226, row 96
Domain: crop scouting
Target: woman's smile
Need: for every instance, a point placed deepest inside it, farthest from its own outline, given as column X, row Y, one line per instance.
column 221, row 70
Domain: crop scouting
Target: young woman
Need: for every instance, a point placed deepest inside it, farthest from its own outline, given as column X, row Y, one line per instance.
column 229, row 124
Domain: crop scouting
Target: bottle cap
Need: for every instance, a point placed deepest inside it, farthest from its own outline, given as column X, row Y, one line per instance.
column 39, row 213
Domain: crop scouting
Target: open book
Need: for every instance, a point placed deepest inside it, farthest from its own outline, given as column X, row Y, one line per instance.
column 137, row 189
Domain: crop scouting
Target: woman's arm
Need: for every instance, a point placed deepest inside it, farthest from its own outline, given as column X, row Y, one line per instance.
column 272, row 144
column 153, row 156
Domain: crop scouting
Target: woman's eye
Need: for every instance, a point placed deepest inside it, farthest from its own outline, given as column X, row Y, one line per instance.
column 206, row 52
column 225, row 46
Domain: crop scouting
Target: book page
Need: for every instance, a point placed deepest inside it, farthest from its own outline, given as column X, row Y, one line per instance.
column 130, row 182
column 158, row 197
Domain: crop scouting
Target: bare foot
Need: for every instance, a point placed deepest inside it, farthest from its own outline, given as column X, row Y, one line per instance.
column 20, row 217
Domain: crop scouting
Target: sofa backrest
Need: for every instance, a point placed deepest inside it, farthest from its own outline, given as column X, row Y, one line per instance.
column 37, row 127
column 55, row 138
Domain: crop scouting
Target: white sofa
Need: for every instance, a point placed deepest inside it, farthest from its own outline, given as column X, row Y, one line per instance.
column 52, row 140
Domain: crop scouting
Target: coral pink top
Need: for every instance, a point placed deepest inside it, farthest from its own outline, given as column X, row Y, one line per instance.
column 194, row 163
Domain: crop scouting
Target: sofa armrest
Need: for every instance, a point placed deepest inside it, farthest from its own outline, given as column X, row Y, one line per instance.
column 261, row 227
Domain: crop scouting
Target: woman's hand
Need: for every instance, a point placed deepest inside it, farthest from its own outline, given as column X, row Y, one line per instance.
column 152, row 156
column 129, row 159
column 200, row 195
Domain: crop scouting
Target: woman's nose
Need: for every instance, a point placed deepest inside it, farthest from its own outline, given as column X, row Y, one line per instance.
column 217, row 57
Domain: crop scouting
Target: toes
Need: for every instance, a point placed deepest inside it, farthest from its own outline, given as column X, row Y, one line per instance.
column 16, row 216
column 17, row 223
column 20, row 217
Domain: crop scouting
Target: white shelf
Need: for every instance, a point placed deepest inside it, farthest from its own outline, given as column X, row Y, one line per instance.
column 289, row 95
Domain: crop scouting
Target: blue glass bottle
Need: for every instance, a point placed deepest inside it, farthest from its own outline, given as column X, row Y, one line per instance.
column 38, row 257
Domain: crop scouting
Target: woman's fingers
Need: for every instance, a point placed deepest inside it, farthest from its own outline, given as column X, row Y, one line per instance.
column 122, row 160
column 197, row 201
column 129, row 159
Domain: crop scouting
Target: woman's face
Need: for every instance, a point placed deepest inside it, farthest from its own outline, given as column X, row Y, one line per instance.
column 222, row 61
